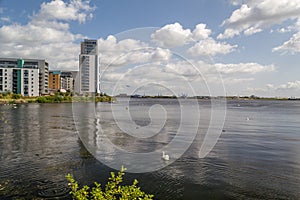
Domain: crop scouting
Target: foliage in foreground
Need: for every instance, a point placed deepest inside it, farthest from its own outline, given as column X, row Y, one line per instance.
column 112, row 190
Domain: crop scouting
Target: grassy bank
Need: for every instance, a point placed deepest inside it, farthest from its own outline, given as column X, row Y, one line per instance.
column 9, row 98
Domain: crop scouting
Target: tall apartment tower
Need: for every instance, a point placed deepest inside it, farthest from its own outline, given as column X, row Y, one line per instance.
column 88, row 81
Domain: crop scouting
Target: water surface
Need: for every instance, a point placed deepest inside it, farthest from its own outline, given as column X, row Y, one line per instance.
column 256, row 157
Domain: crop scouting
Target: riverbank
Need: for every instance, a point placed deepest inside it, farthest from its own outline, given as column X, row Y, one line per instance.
column 57, row 98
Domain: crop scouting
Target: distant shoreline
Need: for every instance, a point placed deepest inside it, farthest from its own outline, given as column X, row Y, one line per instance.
column 209, row 97
column 109, row 99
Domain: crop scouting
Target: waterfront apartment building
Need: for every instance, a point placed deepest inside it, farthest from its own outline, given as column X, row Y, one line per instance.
column 54, row 80
column 67, row 81
column 59, row 80
column 24, row 76
column 88, row 78
column 19, row 78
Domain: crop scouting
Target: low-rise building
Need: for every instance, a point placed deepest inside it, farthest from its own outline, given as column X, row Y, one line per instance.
column 61, row 80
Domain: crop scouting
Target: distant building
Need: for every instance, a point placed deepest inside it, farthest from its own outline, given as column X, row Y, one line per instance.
column 88, row 80
column 28, row 77
column 67, row 81
column 54, row 81
column 61, row 80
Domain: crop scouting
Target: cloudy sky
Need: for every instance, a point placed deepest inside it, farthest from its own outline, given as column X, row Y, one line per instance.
column 194, row 47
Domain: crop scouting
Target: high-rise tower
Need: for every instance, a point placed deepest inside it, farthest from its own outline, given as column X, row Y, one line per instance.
column 88, row 76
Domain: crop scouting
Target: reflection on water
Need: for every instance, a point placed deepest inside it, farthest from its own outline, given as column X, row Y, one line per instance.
column 256, row 157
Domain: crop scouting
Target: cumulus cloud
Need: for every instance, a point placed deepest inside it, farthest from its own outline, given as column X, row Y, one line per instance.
column 129, row 51
column 110, row 47
column 172, row 35
column 201, row 32
column 210, row 47
column 60, row 10
column 255, row 15
column 47, row 34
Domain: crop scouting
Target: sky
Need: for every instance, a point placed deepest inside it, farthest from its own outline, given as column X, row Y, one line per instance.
column 193, row 47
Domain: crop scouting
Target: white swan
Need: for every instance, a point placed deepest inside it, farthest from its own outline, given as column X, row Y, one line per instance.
column 165, row 156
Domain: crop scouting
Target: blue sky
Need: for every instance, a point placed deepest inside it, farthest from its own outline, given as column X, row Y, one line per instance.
column 240, row 47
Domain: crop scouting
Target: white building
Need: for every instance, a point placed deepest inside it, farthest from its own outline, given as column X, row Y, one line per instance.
column 43, row 74
column 67, row 81
column 88, row 78
column 19, row 78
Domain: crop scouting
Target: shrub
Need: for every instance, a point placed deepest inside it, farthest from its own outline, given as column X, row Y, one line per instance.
column 42, row 99
column 112, row 190
column 16, row 96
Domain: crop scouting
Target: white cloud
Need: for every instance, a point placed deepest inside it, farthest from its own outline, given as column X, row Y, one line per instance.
column 235, row 2
column 287, row 29
column 111, row 46
column 76, row 10
column 129, row 51
column 173, row 73
column 174, row 35
column 5, row 19
column 228, row 33
column 47, row 34
column 201, row 32
column 291, row 88
column 209, row 47
column 292, row 45
column 183, row 68
column 32, row 34
column 161, row 55
column 153, row 79
column 249, row 68
column 255, row 15
column 232, row 81
column 171, row 35
column 252, row 30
